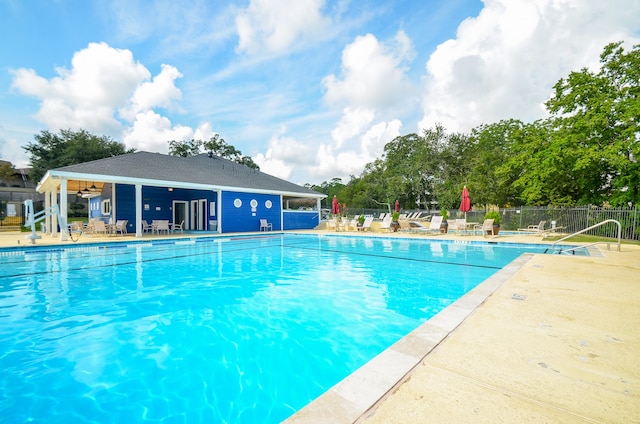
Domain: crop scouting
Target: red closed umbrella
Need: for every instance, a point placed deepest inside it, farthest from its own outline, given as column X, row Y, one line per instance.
column 335, row 206
column 397, row 206
column 465, row 204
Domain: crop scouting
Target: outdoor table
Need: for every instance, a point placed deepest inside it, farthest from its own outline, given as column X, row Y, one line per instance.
column 470, row 227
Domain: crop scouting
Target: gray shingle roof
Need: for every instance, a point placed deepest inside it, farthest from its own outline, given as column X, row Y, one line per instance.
column 200, row 169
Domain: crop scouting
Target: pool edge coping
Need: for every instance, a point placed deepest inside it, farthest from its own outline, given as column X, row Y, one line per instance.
column 357, row 395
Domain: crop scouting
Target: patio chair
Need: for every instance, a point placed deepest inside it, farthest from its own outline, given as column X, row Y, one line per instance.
column 99, row 227
column 265, row 226
column 486, row 227
column 179, row 226
column 120, row 227
column 405, row 225
column 146, row 227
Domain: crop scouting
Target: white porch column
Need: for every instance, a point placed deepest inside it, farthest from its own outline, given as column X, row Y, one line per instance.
column 112, row 213
column 319, row 209
column 47, row 204
column 282, row 213
column 54, row 218
column 219, row 211
column 63, row 208
column 138, row 210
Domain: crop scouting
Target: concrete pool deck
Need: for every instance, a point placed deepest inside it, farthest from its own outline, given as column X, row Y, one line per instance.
column 550, row 338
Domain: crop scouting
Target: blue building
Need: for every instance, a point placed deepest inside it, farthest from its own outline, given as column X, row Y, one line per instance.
column 206, row 192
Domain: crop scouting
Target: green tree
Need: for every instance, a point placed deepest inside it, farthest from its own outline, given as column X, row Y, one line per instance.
column 214, row 146
column 185, row 148
column 596, row 115
column 7, row 171
column 50, row 151
column 427, row 169
column 493, row 167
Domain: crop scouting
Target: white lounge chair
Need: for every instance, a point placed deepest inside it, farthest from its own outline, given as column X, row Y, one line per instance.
column 367, row 223
column 386, row 224
column 434, row 224
column 534, row 228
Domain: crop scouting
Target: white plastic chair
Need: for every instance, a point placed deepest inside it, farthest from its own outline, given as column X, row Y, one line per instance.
column 175, row 227
column 265, row 226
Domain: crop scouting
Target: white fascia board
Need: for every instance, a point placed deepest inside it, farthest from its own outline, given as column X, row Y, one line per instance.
column 274, row 192
column 127, row 180
column 41, row 184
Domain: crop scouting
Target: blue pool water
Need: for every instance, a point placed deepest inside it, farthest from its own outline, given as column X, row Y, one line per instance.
column 244, row 329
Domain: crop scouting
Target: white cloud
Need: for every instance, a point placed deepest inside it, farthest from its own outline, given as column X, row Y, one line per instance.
column 151, row 132
column 101, row 78
column 352, row 124
column 275, row 25
column 372, row 74
column 504, row 63
column 283, row 153
column 160, row 92
column 104, row 81
column 332, row 162
column 372, row 89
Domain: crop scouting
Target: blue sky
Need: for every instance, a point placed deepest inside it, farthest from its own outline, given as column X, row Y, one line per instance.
column 310, row 89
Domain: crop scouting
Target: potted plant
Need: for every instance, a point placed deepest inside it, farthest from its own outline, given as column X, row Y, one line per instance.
column 395, row 224
column 360, row 221
column 495, row 215
column 444, row 227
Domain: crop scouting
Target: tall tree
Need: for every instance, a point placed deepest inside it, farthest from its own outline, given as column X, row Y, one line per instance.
column 214, row 146
column 597, row 116
column 51, row 151
column 491, row 177
column 185, row 148
column 427, row 169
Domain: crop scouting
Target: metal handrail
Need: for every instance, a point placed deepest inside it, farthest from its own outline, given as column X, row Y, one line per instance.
column 553, row 245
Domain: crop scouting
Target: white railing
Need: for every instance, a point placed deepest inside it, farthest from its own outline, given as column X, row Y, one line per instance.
column 554, row 245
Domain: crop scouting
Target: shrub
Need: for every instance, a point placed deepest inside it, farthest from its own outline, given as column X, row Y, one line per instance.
column 493, row 215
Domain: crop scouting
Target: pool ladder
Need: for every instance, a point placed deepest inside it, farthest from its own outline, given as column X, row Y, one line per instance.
column 560, row 250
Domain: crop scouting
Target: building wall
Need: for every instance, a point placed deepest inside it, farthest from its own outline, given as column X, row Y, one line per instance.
column 300, row 220
column 241, row 212
column 157, row 203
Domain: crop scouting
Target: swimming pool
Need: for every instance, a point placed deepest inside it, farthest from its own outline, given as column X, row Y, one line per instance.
column 228, row 329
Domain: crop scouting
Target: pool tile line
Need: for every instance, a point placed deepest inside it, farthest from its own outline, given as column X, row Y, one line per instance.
column 449, row 241
column 355, row 397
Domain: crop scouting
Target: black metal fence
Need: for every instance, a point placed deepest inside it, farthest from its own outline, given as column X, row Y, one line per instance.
column 570, row 219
